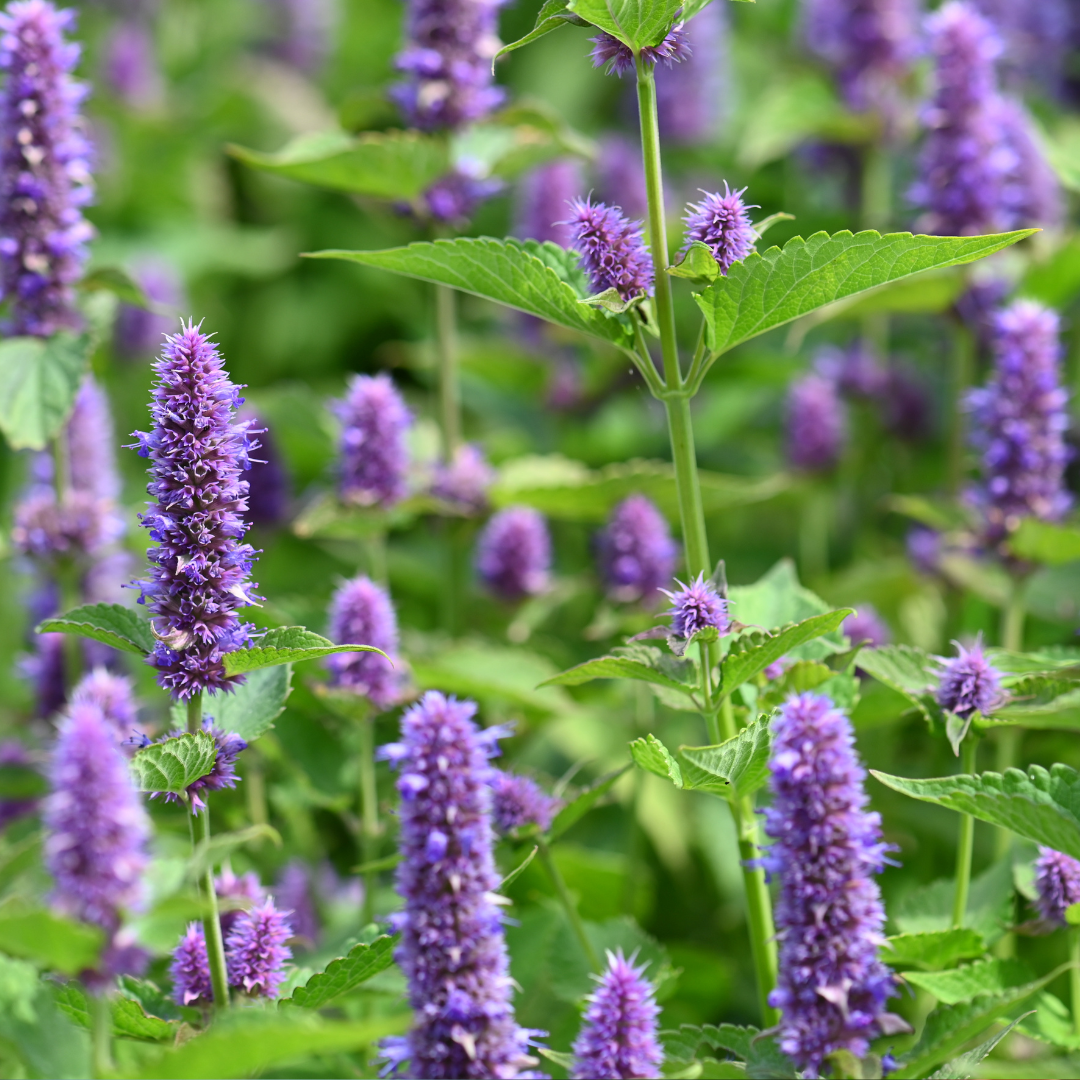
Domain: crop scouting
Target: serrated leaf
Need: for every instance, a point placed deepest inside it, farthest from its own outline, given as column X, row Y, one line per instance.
column 989, row 907
column 505, row 271
column 174, row 765
column 961, row 1068
column 970, row 980
column 288, row 645
column 129, row 1019
column 768, row 290
column 346, row 973
column 742, row 761
column 1045, row 542
column 49, row 940
column 111, row 624
column 653, row 756
column 1061, row 713
column 635, row 23
column 381, row 164
column 933, row 949
column 903, row 668
column 39, row 378
column 1037, row 805
column 251, row 708
column 573, row 811
column 616, row 667
column 551, row 16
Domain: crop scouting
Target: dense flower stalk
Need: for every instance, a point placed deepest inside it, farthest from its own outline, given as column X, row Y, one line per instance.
column 513, row 553
column 816, row 429
column 969, row 683
column 691, row 97
column 722, row 223
column 114, row 695
column 832, row 988
column 463, row 482
column 635, row 551
column 867, row 625
column 520, row 800
column 45, row 176
column 1057, row 882
column 612, row 249
column 1033, row 193
column 544, row 196
column 190, row 968
column 618, row 1037
column 199, row 570
column 617, row 59
column 696, row 606
column 374, row 457
column 361, row 613
column 255, row 951
column 452, row 949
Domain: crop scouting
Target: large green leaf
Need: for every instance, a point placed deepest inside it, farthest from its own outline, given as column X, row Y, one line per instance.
column 617, row 667
column 1044, row 542
column 577, row 808
column 287, row 645
column 346, row 973
column 970, row 980
column 933, row 949
column 653, row 756
column 383, row 164
column 551, row 16
column 39, row 378
column 1038, row 805
column 112, row 624
column 742, row 761
column 534, row 278
column 1061, row 712
column 636, row 23
column 251, row 708
column 174, row 765
column 129, row 1018
column 768, row 290
column 50, row 940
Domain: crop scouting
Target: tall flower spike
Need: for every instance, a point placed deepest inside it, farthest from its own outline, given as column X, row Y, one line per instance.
column 696, row 606
column 617, row 59
column 520, row 800
column 361, row 613
column 969, row 683
column 832, row 988
column 113, row 694
column 816, row 430
column 452, row 949
column 692, row 97
column 91, row 445
column 199, row 570
column 464, row 481
column 255, row 951
column 513, row 553
column 542, row 200
column 1019, row 423
column 1057, row 882
column 618, row 1032
column 612, row 249
column 96, row 828
column 45, row 176
column 374, row 457
column 635, row 551
column 721, row 222
column 190, row 969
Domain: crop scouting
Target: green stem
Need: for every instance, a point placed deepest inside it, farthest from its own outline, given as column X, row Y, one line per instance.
column 876, row 186
column 101, row 1034
column 446, row 350
column 711, row 720
column 369, row 813
column 1008, row 742
column 965, row 846
column 569, row 905
column 1074, row 975
column 962, row 374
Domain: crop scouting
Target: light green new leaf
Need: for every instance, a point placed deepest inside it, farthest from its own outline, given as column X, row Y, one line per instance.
column 522, row 275
column 933, row 949
column 551, row 16
column 742, row 761
column 616, row 667
column 964, row 983
column 50, row 940
column 1045, row 542
column 1038, row 805
column 653, row 756
column 251, row 709
column 573, row 811
column 381, row 164
column 39, row 378
column 112, row 624
column 963, row 1067
column 767, row 290
column 636, row 23
column 287, row 645
column 907, row 670
column 174, row 765
column 346, row 973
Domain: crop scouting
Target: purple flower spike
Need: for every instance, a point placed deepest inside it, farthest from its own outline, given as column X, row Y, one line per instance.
column 374, row 458
column 113, row 694
column 91, row 454
column 190, row 969
column 513, row 553
column 612, row 249
column 867, row 625
column 78, row 527
column 452, row 949
column 361, row 613
column 130, row 66
column 543, row 197
column 255, row 951
column 636, row 553
column 199, row 570
column 618, row 1032
column 815, row 424
column 832, row 988
column 721, row 222
column 969, row 683
column 696, row 606
column 464, row 482
column 97, row 829
column 924, row 549
column 617, row 59
column 456, row 195
column 520, row 800
column 1057, row 881
column 1033, row 193
column 45, row 176
column 692, row 97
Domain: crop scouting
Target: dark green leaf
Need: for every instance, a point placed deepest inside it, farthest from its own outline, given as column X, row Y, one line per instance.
column 346, row 973
column 552, row 15
column 636, row 23
column 573, row 811
column 49, row 940
column 970, row 980
column 616, row 667
column 174, row 765
column 287, row 645
column 39, row 378
column 742, row 761
column 251, row 709
column 1045, row 542
column 112, row 624
column 653, row 756
column 933, row 949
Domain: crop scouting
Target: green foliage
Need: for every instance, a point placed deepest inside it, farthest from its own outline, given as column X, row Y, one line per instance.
column 251, row 709
column 653, row 756
column 618, row 667
column 552, row 15
column 221, row 845
column 635, row 23
column 970, row 980
column 118, row 282
column 777, row 599
column 578, row 807
column 907, row 670
column 129, row 1018
column 111, row 624
column 1045, row 542
column 287, row 645
column 1052, row 1023
column 345, row 974
column 928, row 909
column 174, row 765
column 44, row 1041
column 698, row 265
column 963, row 1067
column 49, row 940
column 39, row 378
column 932, row 950
column 742, row 761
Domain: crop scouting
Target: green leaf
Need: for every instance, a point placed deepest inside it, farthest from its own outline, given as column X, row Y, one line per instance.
column 933, row 949
column 1053, row 1023
column 635, row 23
column 1044, row 542
column 117, row 281
column 964, row 983
column 552, row 15
column 381, row 164
column 174, row 765
column 1037, row 805
column 742, row 761
column 112, row 624
column 251, row 709
column 963, row 1067
column 518, row 274
column 573, row 811
column 698, row 265
column 49, row 940
column 766, row 291
column 210, row 854
column 19, row 783
column 39, row 378
column 904, row 668
column 129, row 1018
column 616, row 667
column 287, row 645
column 346, row 973
column 653, row 756
column 1060, row 713
column 989, row 907
column 564, row 1061
column 517, row 871
column 46, row 1044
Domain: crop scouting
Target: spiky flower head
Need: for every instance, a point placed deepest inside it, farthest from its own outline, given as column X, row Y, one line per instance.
column 635, row 551
column 374, row 457
column 113, row 694
column 543, row 196
column 969, row 682
column 692, row 97
column 45, row 176
column 463, row 482
column 816, row 430
column 255, row 951
column 199, row 572
column 1057, row 882
column 617, row 59
column 513, row 553
column 452, row 949
column 361, row 613
column 520, row 800
column 832, row 988
column 1019, row 423
column 96, row 828
column 722, row 223
column 618, row 1032
column 190, row 968
column 867, row 625
column 696, row 606
column 611, row 248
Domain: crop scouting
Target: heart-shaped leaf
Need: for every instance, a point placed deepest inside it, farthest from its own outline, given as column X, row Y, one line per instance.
column 174, row 765
column 111, row 624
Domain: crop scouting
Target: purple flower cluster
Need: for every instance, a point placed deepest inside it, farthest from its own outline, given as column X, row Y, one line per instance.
column 49, row 529
column 635, row 551
column 236, row 894
column 113, row 694
column 463, row 482
column 374, row 458
column 1057, row 881
column 190, row 968
column 816, row 429
column 969, row 683
column 296, row 891
column 696, row 606
column 452, row 950
column 513, row 553
column 618, row 1032
column 723, row 224
column 867, row 625
column 612, row 249
column 361, row 613
column 543, row 197
column 617, row 59
column 199, row 570
column 832, row 988
column 691, row 96
column 1020, row 419
column 520, row 800
column 45, row 176
column 1036, row 37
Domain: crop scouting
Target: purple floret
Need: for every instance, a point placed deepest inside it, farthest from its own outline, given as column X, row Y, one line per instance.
column 867, row 625
column 542, row 200
column 454, row 197
column 464, row 481
column 611, row 248
column 113, row 694
column 617, row 59
column 255, row 950
column 1057, row 881
column 832, row 988
column 635, row 551
column 361, row 613
column 696, row 606
column 969, row 683
column 520, row 800
column 723, row 224
column 513, row 553
column 190, row 968
column 816, row 430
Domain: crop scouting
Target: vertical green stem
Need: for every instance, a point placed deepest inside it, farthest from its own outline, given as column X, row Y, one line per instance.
column 446, row 350
column 1008, row 742
column 711, row 720
column 569, row 905
column 876, row 185
column 101, row 1033
column 965, row 845
column 1074, row 975
column 963, row 373
column 369, row 812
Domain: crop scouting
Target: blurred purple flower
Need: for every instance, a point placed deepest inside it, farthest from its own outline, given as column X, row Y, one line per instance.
column 113, row 694
column 361, row 613
column 241, row 892
column 544, row 198
column 267, row 479
column 1057, row 881
column 303, row 31
column 190, row 968
column 138, row 333
column 1036, row 39
column 867, row 625
column 856, row 370
column 1032, row 190
column 696, row 606
column 464, row 481
column 969, row 683
column 77, row 527
column 620, row 176
column 255, row 950
column 130, row 67
column 905, row 404
column 722, row 223
column 691, row 97
column 513, row 553
column 453, row 197
column 612, row 250
column 816, row 430
column 617, row 59
column 635, row 551
column 295, row 893
column 924, row 549
column 520, row 800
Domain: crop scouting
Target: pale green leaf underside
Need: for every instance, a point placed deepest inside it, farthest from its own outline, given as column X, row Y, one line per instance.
column 39, row 378
column 112, row 624
column 653, row 756
column 636, row 23
column 934, row 949
column 345, row 974
column 616, row 667
column 287, row 645
column 176, row 764
column 742, row 761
